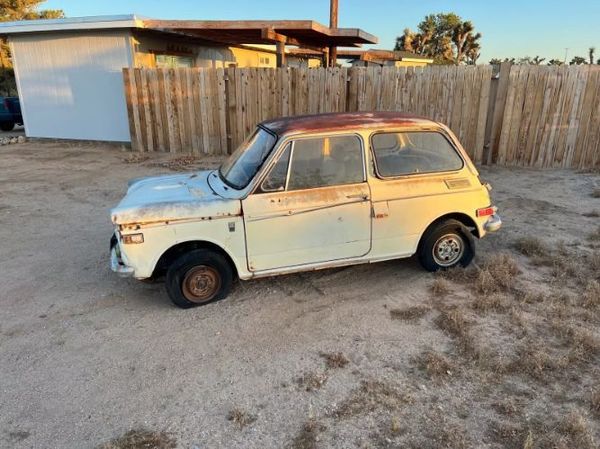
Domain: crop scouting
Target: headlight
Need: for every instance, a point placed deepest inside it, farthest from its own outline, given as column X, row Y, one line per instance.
column 129, row 239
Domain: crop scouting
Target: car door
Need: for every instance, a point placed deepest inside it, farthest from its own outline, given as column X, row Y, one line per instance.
column 312, row 207
column 420, row 177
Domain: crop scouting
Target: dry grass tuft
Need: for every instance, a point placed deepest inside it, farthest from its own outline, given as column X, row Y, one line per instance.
column 179, row 163
column 595, row 400
column 596, row 193
column 595, row 235
column 440, row 287
column 141, row 439
column 531, row 246
column 507, row 407
column 459, row 274
column 577, row 429
column 533, row 360
column 412, row 313
column 496, row 302
column 370, row 396
column 135, row 158
column 529, row 297
column 511, row 434
column 312, row 381
column 308, row 437
column 240, row 417
column 591, row 295
column 592, row 214
column 436, row 365
column 497, row 274
column 582, row 343
column 453, row 322
column 335, row 359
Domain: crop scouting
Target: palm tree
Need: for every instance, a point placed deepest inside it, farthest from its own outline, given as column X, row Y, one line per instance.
column 591, row 52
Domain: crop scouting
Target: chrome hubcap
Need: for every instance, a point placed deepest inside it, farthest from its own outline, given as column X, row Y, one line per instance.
column 448, row 250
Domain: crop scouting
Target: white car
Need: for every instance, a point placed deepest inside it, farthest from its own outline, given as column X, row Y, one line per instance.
column 305, row 193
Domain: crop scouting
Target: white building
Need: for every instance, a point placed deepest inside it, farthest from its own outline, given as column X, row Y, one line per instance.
column 69, row 71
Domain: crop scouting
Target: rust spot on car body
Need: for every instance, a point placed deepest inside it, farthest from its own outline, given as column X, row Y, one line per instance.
column 345, row 121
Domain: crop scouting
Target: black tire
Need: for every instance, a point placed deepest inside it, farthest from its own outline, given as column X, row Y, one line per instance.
column 7, row 126
column 198, row 277
column 452, row 243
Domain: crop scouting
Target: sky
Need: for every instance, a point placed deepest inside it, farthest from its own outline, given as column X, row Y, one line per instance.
column 510, row 28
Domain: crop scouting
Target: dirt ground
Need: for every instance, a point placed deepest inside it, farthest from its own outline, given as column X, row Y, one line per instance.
column 505, row 354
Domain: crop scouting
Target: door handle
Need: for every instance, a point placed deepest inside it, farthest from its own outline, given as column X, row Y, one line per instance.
column 361, row 196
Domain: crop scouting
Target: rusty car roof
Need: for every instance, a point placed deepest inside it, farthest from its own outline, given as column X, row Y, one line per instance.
column 340, row 121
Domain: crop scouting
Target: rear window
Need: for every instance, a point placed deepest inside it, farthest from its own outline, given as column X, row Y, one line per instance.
column 406, row 153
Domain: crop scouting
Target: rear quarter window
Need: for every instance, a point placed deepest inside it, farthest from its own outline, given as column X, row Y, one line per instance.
column 406, row 153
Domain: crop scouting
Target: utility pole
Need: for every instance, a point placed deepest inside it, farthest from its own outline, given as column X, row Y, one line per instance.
column 333, row 23
column 566, row 53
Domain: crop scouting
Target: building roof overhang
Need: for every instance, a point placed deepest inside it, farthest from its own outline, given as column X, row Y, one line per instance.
column 301, row 33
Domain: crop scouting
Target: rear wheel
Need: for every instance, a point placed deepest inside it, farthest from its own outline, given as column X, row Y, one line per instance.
column 446, row 245
column 198, row 277
column 7, row 126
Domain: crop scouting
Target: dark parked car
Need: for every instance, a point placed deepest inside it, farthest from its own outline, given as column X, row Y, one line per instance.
column 10, row 113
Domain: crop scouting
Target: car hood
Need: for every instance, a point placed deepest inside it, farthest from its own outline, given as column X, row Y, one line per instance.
column 172, row 198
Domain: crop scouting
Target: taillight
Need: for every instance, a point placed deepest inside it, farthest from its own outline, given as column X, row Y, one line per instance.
column 486, row 211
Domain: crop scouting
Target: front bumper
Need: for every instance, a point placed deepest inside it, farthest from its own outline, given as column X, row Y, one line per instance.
column 116, row 263
column 493, row 224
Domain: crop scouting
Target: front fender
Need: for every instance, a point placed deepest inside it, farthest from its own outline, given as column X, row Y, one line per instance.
column 226, row 233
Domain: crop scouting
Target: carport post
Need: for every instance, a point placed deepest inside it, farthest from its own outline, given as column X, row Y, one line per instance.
column 333, row 23
column 280, row 52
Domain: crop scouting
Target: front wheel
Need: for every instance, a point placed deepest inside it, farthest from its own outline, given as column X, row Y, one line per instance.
column 446, row 245
column 198, row 277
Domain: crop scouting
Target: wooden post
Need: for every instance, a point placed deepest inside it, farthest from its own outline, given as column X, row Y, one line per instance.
column 496, row 114
column 333, row 23
column 325, row 57
column 280, row 51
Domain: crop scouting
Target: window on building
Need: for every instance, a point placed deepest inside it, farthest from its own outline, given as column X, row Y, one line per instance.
column 173, row 62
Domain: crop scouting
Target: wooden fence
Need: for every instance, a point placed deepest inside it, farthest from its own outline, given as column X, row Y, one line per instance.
column 551, row 118
column 212, row 110
column 528, row 115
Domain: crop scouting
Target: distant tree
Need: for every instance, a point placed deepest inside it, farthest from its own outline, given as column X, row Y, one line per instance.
column 12, row 10
column 473, row 50
column 528, row 60
column 495, row 61
column 591, row 52
column 555, row 62
column 537, row 60
column 444, row 37
column 578, row 60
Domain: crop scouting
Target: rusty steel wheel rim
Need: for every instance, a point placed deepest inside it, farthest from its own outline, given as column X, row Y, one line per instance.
column 201, row 284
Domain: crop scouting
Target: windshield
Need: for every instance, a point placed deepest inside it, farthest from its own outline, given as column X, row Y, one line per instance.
column 239, row 169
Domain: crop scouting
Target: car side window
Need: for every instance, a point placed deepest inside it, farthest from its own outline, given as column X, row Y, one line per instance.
column 405, row 153
column 325, row 161
column 275, row 180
